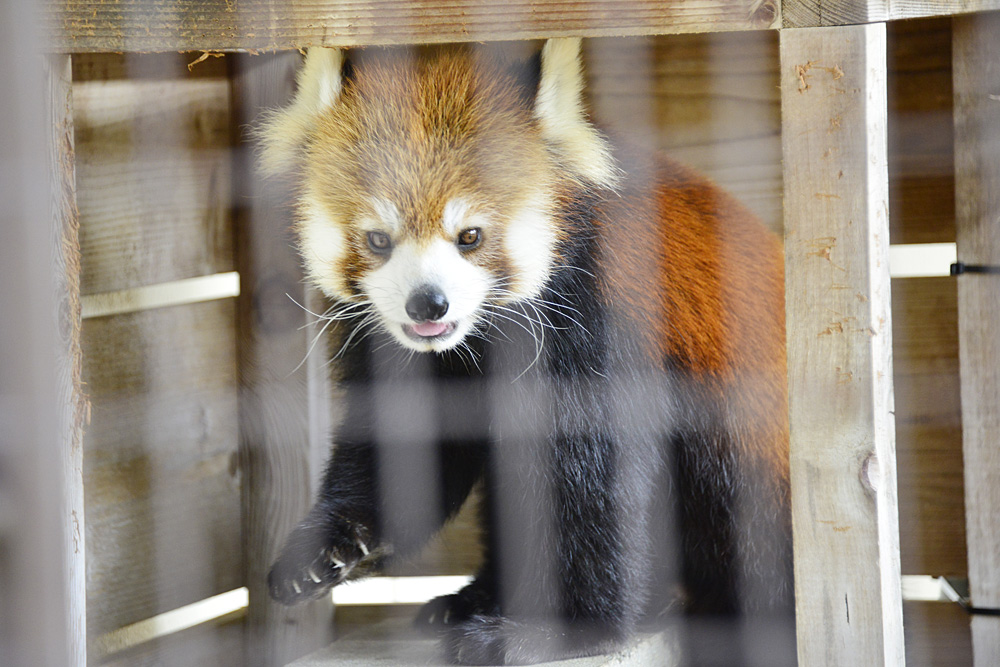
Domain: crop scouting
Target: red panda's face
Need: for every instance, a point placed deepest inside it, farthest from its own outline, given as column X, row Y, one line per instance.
column 428, row 189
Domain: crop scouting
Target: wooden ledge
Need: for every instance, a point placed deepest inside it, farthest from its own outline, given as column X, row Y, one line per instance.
column 393, row 643
column 264, row 25
column 820, row 13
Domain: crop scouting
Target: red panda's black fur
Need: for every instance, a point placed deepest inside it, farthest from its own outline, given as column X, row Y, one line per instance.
column 635, row 465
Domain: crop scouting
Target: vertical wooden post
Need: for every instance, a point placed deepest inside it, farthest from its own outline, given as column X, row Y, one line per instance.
column 976, row 76
column 276, row 395
column 843, row 466
column 71, row 404
column 41, row 615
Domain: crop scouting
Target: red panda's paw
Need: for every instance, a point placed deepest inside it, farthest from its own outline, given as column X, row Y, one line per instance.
column 316, row 558
column 447, row 611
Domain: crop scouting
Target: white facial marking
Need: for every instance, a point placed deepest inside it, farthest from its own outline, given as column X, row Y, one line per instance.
column 441, row 265
column 387, row 215
column 323, row 247
column 455, row 213
column 529, row 243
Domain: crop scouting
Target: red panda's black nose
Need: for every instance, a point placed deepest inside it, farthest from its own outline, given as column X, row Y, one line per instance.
column 426, row 304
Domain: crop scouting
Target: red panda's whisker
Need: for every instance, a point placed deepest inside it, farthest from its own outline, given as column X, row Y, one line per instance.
column 365, row 324
column 539, row 338
column 311, row 346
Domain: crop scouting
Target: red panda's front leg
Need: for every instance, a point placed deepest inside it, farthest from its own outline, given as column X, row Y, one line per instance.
column 336, row 536
column 371, row 505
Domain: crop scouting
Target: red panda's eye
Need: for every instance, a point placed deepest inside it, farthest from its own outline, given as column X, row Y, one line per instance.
column 379, row 242
column 469, row 238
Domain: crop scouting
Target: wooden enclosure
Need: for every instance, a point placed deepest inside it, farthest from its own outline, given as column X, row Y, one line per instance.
column 844, row 127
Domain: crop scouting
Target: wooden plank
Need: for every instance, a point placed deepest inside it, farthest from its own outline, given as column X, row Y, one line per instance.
column 218, row 643
column 710, row 100
column 977, row 220
column 154, row 172
column 72, row 404
column 163, row 491
column 167, row 25
column 928, row 426
column 937, row 635
column 844, row 507
column 35, row 617
column 921, row 134
column 395, row 643
column 165, row 66
column 283, row 404
column 813, row 13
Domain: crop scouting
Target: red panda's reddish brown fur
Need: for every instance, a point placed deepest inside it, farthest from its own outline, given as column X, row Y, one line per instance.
column 703, row 279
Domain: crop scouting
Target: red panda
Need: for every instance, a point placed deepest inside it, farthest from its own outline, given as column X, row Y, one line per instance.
column 594, row 334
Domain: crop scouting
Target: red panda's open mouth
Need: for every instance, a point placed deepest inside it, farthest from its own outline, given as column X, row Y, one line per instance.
column 429, row 330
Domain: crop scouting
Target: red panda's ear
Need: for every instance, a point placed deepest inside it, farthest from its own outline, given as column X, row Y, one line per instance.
column 282, row 133
column 560, row 113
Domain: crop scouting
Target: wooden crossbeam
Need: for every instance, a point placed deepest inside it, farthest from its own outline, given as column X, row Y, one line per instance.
column 256, row 25
column 814, row 13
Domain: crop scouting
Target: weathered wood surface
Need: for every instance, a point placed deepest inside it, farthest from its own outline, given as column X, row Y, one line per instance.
column 928, row 426
column 709, row 100
column 167, row 25
column 35, row 623
column 282, row 438
column 844, row 504
column 394, row 643
column 977, row 221
column 163, row 485
column 921, row 134
column 218, row 643
column 937, row 635
column 812, row 13
column 72, row 405
column 154, row 169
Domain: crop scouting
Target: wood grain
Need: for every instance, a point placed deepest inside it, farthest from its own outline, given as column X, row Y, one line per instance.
column 166, row 25
column 844, row 504
column 162, row 486
column 283, row 408
column 35, row 623
column 72, row 405
column 977, row 220
column 154, row 172
column 921, row 134
column 812, row 13
column 928, row 426
column 709, row 100
column 937, row 635
column 218, row 643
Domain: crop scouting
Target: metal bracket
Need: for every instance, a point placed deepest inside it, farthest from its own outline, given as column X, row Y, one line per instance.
column 957, row 590
column 958, row 268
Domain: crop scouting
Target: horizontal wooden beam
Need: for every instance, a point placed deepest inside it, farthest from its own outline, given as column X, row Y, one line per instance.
column 254, row 25
column 815, row 13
